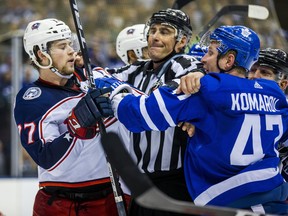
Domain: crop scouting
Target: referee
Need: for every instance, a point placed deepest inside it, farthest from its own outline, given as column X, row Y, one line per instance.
column 160, row 154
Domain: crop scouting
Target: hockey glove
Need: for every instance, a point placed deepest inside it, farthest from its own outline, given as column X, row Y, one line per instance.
column 99, row 72
column 89, row 110
column 104, row 79
column 116, row 85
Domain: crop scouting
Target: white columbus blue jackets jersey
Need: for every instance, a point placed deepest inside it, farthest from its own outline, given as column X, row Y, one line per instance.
column 238, row 125
column 63, row 160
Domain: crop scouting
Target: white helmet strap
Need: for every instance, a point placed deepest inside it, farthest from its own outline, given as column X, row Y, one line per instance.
column 43, row 66
column 51, row 67
column 56, row 71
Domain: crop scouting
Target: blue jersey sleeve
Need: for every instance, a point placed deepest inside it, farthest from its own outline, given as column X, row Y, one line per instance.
column 34, row 117
column 162, row 109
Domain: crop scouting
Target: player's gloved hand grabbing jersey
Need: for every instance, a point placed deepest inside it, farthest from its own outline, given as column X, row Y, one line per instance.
column 89, row 110
column 104, row 80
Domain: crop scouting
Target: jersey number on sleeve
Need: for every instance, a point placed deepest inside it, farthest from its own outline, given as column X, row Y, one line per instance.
column 31, row 129
column 252, row 126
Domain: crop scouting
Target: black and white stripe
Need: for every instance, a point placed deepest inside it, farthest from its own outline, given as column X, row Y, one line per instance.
column 156, row 151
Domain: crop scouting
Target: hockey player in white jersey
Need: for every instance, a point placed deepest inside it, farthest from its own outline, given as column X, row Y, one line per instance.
column 232, row 159
column 57, row 122
column 131, row 44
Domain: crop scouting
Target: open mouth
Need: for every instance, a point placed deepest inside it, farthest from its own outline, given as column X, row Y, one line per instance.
column 71, row 61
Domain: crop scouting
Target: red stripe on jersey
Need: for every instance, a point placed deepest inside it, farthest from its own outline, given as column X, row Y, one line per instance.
column 51, row 110
column 65, row 156
column 107, row 122
column 74, row 185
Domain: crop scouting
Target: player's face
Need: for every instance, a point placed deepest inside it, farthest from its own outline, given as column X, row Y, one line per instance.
column 252, row 71
column 210, row 58
column 145, row 53
column 63, row 56
column 161, row 41
column 262, row 72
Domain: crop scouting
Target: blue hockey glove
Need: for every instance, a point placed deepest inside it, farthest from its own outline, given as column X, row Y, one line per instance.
column 116, row 85
column 89, row 110
column 104, row 79
column 106, row 82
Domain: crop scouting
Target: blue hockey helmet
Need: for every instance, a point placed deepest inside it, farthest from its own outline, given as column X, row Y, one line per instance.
column 197, row 51
column 244, row 41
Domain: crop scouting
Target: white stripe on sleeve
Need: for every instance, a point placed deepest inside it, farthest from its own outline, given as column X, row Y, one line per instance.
column 163, row 108
column 145, row 115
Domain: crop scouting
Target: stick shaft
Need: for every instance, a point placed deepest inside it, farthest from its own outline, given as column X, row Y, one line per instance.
column 251, row 11
column 178, row 4
column 147, row 194
column 84, row 50
column 223, row 11
column 87, row 64
column 82, row 41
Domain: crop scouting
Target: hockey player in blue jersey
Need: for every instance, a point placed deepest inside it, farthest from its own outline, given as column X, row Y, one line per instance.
column 272, row 64
column 57, row 121
column 232, row 158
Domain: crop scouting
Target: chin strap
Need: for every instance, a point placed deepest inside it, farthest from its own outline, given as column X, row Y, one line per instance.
column 51, row 67
column 56, row 71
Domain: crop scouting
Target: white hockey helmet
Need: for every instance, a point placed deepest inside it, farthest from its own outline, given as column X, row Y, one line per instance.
column 131, row 38
column 40, row 32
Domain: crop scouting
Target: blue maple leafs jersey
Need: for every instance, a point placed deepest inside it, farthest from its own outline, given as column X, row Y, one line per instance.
column 238, row 126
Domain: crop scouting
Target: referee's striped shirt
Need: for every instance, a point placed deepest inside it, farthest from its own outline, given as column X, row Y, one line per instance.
column 156, row 151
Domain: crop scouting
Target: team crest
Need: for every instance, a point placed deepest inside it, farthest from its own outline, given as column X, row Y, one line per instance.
column 32, row 93
column 245, row 32
column 35, row 26
column 130, row 31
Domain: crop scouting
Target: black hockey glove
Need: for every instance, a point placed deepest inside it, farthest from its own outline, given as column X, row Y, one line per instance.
column 89, row 110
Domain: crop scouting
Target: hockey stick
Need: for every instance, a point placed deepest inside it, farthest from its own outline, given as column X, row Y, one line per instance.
column 178, row 4
column 87, row 64
column 252, row 11
column 147, row 194
column 82, row 41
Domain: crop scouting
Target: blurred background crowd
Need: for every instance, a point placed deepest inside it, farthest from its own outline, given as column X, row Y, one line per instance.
column 102, row 21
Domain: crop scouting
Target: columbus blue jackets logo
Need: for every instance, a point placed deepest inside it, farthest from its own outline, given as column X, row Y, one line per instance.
column 35, row 26
column 130, row 31
column 32, row 93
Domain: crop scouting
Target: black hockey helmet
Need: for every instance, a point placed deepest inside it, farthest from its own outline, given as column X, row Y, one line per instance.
column 275, row 59
column 175, row 18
